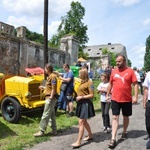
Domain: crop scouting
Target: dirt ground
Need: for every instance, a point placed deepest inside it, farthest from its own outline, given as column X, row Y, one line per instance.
column 136, row 135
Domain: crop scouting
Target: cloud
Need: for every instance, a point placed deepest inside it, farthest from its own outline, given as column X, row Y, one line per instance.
column 35, row 8
column 57, row 8
column 52, row 28
column 33, row 23
column 125, row 2
column 137, row 55
column 146, row 22
column 30, row 8
column 30, row 23
column 31, row 13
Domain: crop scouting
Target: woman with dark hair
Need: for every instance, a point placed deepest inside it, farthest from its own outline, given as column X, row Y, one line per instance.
column 50, row 101
column 84, row 109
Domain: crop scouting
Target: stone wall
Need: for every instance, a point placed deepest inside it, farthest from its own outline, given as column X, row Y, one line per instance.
column 6, row 28
column 17, row 53
column 70, row 45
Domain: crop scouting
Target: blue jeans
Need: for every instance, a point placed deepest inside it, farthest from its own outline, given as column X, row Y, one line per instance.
column 62, row 103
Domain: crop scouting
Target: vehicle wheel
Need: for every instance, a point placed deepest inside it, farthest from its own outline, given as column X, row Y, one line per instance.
column 10, row 109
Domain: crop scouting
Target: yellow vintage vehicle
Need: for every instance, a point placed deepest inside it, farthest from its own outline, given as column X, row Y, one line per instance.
column 19, row 94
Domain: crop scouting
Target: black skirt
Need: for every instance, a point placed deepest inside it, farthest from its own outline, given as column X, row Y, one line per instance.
column 85, row 109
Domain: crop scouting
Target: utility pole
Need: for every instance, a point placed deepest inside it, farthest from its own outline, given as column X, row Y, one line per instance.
column 45, row 30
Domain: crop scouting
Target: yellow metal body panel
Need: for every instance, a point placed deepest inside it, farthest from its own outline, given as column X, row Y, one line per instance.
column 24, row 90
column 59, row 82
column 41, row 79
column 38, row 77
column 77, row 82
column 19, row 87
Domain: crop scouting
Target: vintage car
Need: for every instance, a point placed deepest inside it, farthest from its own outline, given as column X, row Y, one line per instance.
column 20, row 94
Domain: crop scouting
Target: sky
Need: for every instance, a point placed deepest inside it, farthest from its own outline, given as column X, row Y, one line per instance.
column 109, row 21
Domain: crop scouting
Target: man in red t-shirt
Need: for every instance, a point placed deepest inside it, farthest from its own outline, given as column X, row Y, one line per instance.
column 120, row 85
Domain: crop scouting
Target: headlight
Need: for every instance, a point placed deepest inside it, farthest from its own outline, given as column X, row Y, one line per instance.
column 28, row 95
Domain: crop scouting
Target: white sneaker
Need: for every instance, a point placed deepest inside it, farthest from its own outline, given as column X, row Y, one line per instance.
column 108, row 130
column 104, row 128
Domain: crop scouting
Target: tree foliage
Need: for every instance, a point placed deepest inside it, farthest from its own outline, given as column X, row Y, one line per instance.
column 112, row 56
column 33, row 36
column 129, row 63
column 71, row 24
column 147, row 55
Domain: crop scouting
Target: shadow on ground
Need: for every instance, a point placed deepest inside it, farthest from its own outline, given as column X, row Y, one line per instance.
column 6, row 131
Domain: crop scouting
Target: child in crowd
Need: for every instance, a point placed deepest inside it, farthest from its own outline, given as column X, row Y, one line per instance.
column 105, row 105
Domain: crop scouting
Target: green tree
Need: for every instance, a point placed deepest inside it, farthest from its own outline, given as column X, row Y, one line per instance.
column 129, row 63
column 33, row 36
column 71, row 24
column 112, row 56
column 147, row 55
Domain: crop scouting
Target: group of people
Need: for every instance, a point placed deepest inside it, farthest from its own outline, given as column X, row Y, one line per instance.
column 66, row 99
column 115, row 91
column 118, row 91
column 84, row 108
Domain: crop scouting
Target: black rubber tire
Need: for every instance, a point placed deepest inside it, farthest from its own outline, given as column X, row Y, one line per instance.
column 11, row 110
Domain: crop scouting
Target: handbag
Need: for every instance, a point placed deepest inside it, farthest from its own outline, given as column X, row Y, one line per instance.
column 64, row 86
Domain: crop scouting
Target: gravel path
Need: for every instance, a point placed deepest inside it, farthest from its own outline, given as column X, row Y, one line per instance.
column 136, row 135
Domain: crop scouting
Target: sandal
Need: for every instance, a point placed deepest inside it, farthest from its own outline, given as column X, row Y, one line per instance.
column 87, row 138
column 76, row 145
column 40, row 133
column 112, row 143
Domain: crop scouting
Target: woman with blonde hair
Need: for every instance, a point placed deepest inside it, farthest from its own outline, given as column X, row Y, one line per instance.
column 84, row 109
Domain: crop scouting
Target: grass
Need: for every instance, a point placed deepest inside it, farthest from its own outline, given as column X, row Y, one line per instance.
column 18, row 136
